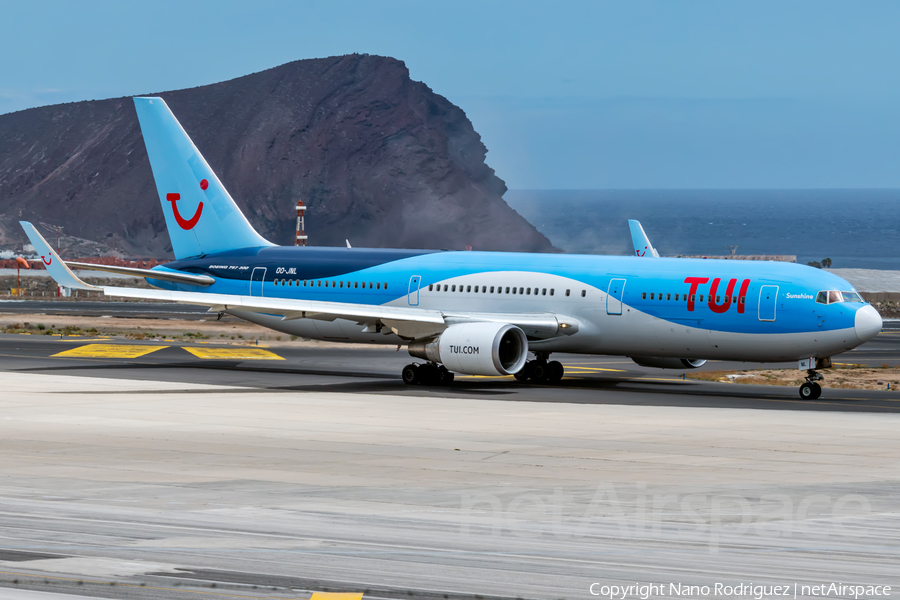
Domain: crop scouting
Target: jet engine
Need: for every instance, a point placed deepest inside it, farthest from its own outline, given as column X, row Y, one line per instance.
column 476, row 348
column 669, row 363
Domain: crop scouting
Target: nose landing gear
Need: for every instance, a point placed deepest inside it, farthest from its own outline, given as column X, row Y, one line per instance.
column 811, row 390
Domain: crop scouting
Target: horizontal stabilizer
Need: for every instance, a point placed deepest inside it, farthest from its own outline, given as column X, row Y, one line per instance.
column 159, row 275
column 640, row 240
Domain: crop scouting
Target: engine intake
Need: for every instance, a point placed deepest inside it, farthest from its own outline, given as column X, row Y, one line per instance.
column 476, row 348
column 669, row 363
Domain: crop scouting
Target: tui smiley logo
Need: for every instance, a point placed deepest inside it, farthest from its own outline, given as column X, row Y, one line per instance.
column 186, row 224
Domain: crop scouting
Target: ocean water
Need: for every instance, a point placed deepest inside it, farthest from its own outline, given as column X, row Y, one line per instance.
column 854, row 228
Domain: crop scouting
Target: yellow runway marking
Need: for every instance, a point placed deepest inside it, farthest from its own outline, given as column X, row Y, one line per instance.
column 334, row 596
column 574, row 368
column 234, row 353
column 109, row 351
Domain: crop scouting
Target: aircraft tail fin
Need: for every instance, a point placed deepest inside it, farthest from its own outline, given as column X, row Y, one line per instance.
column 640, row 240
column 201, row 216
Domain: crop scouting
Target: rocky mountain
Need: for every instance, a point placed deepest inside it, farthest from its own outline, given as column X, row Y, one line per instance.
column 379, row 159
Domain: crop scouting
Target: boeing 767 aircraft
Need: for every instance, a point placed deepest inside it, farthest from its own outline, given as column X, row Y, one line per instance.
column 481, row 313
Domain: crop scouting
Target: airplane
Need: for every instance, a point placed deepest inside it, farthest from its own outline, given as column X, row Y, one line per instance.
column 480, row 313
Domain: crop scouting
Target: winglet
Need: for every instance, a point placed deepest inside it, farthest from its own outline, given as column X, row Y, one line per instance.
column 640, row 240
column 55, row 265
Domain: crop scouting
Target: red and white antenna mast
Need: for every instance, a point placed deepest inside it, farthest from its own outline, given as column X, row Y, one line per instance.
column 300, row 240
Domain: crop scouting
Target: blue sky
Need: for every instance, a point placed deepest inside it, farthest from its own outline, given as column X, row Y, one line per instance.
column 802, row 94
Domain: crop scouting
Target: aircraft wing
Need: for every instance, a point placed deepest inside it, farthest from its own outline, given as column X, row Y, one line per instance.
column 288, row 308
column 62, row 274
column 406, row 321
column 640, row 240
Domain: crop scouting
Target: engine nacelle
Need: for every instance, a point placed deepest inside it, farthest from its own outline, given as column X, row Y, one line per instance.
column 476, row 348
column 669, row 363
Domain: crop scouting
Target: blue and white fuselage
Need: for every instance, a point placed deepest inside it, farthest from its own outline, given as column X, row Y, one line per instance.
column 481, row 312
column 619, row 305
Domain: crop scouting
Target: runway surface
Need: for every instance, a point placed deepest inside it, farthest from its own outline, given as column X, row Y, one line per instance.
column 176, row 469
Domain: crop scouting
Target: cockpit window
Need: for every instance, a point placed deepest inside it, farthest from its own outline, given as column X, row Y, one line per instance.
column 833, row 296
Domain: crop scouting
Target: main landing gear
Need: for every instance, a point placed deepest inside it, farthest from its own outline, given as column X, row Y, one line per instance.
column 541, row 371
column 811, row 390
column 426, row 374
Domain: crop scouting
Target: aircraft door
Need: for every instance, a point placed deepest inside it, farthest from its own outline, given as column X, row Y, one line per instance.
column 768, row 295
column 413, row 293
column 614, row 295
column 257, row 278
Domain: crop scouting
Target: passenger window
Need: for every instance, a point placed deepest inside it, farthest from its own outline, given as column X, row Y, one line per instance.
column 583, row 293
column 568, row 292
column 492, row 289
column 370, row 285
column 544, row 292
column 445, row 287
column 717, row 299
column 521, row 290
column 701, row 297
column 741, row 299
column 676, row 297
column 734, row 299
column 304, row 283
column 430, row 288
column 514, row 290
column 507, row 290
column 384, row 285
column 378, row 286
column 653, row 295
column 551, row 291
column 528, row 291
column 469, row 288
column 644, row 296
column 342, row 284
column 453, row 289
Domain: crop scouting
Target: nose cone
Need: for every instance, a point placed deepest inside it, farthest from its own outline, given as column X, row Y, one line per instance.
column 868, row 323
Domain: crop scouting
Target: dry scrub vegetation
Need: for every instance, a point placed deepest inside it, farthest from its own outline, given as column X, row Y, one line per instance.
column 842, row 376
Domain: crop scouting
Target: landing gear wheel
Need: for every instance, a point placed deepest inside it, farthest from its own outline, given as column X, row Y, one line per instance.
column 554, row 371
column 446, row 377
column 541, row 371
column 410, row 374
column 810, row 390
